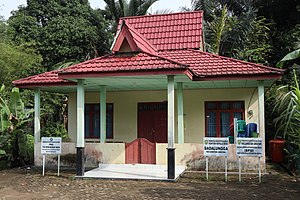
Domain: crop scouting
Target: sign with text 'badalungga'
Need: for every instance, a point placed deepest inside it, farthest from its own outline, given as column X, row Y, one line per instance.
column 251, row 147
column 51, row 145
column 215, row 146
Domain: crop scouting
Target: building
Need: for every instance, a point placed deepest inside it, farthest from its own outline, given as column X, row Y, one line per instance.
column 154, row 98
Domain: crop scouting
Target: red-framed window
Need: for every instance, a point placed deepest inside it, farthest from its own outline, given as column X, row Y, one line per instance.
column 219, row 117
column 92, row 121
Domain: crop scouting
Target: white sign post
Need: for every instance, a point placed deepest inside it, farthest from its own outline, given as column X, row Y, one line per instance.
column 51, row 145
column 249, row 147
column 215, row 147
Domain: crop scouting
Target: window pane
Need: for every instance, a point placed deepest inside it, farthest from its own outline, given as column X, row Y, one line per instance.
column 96, row 125
column 109, row 107
column 237, row 105
column 211, row 105
column 225, row 105
column 92, row 121
column 86, row 125
column 109, row 125
column 211, row 124
column 225, row 124
column 87, row 107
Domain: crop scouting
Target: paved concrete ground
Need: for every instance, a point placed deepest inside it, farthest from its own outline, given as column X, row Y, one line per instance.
column 20, row 184
column 133, row 171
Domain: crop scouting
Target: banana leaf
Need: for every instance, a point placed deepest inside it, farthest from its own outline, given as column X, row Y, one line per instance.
column 16, row 105
column 4, row 112
column 2, row 153
column 290, row 56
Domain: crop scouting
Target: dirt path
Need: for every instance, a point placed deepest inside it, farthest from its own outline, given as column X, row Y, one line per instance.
column 20, row 184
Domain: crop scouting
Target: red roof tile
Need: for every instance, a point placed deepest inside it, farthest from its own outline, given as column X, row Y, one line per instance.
column 204, row 64
column 50, row 78
column 169, row 31
column 123, row 62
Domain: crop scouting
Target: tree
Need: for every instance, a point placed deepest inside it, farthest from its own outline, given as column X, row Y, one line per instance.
column 285, row 30
column 276, row 23
column 61, row 30
column 254, row 42
column 216, row 29
column 233, row 29
column 14, row 60
column 287, row 107
column 124, row 8
column 13, row 135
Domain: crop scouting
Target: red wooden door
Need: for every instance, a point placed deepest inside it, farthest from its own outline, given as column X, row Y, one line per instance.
column 152, row 121
column 141, row 151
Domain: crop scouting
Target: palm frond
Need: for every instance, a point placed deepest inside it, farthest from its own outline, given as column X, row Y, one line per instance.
column 288, row 107
column 144, row 6
column 162, row 11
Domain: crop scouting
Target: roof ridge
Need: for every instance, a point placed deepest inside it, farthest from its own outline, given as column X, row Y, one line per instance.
column 237, row 60
column 186, row 66
column 175, row 13
column 168, row 59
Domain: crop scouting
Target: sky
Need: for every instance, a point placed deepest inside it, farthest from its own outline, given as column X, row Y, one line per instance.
column 6, row 6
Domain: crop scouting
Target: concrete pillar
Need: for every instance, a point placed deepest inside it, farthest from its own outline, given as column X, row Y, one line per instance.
column 180, row 114
column 171, row 128
column 261, row 115
column 37, row 114
column 80, row 128
column 102, row 114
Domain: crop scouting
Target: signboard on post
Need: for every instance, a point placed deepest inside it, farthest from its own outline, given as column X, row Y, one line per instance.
column 51, row 145
column 215, row 146
column 251, row 147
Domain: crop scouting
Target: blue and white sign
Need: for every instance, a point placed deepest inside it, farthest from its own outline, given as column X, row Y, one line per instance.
column 51, row 145
column 215, row 146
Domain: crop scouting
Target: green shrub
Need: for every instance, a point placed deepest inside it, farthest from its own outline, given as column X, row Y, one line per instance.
column 55, row 130
column 26, row 148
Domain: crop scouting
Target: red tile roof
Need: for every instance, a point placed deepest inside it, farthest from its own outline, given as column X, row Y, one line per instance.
column 204, row 64
column 201, row 65
column 169, row 31
column 165, row 43
column 124, row 62
column 47, row 78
